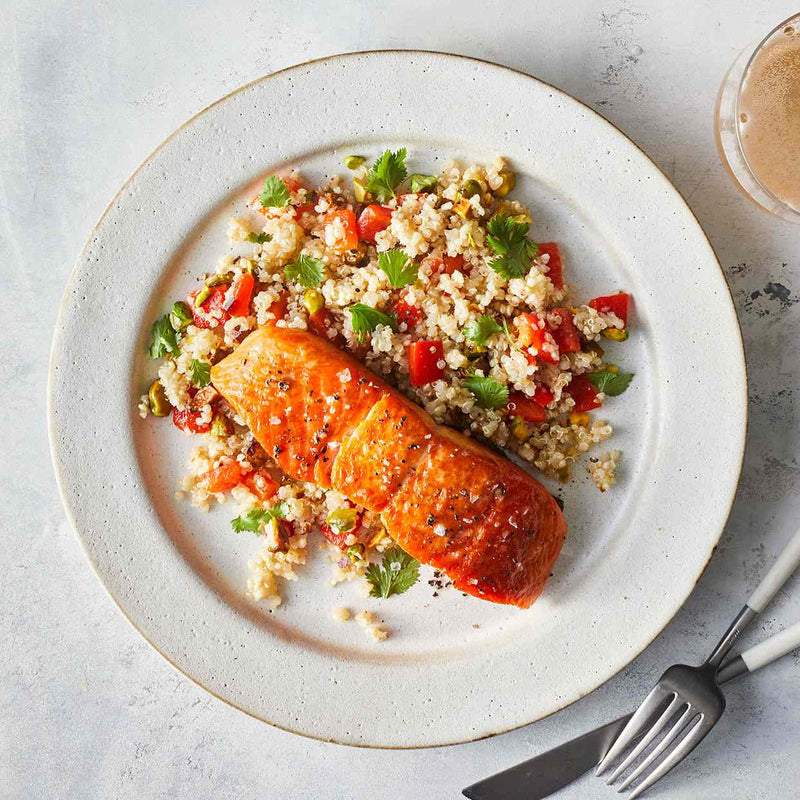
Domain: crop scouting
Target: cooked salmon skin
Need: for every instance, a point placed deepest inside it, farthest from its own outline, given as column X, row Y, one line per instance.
column 447, row 500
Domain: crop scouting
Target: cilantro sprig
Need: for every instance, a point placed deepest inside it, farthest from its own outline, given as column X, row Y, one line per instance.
column 479, row 330
column 399, row 268
column 259, row 238
column 200, row 373
column 165, row 339
column 488, row 392
column 514, row 250
column 365, row 319
column 387, row 173
column 397, row 573
column 256, row 518
column 611, row 383
column 274, row 193
column 307, row 271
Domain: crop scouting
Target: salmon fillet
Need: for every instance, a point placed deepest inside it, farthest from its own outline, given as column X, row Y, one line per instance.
column 444, row 498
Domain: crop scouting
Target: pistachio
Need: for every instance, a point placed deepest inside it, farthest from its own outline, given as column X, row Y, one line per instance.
column 159, row 404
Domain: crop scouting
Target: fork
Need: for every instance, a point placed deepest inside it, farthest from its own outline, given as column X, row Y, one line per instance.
column 693, row 693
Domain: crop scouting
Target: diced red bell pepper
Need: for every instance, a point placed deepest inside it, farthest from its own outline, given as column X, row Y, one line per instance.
column 372, row 220
column 261, row 484
column 322, row 323
column 341, row 223
column 406, row 313
column 613, row 304
column 584, row 393
column 566, row 335
column 423, row 362
column 543, row 396
column 189, row 421
column 279, row 308
column 534, row 334
column 554, row 269
column 339, row 538
column 242, row 294
column 446, row 265
column 291, row 183
column 222, row 478
column 524, row 407
column 305, row 208
column 212, row 312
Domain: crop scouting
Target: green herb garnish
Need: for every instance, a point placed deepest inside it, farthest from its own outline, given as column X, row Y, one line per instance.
column 421, row 182
column 274, row 193
column 307, row 271
column 399, row 268
column 397, row 573
column 514, row 250
column 165, row 339
column 200, row 373
column 611, row 383
column 254, row 519
column 259, row 238
column 479, row 330
column 365, row 319
column 387, row 173
column 180, row 315
column 488, row 392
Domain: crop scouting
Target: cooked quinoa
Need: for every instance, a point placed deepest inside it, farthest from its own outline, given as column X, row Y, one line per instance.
column 604, row 470
column 500, row 352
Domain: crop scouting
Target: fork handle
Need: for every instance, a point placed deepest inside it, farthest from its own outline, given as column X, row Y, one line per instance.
column 779, row 644
column 786, row 563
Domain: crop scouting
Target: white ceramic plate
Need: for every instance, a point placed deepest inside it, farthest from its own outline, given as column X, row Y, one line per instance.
column 455, row 668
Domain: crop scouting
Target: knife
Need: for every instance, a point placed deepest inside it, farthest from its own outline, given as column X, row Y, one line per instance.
column 544, row 774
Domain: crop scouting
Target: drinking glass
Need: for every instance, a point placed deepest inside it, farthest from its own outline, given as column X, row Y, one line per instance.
column 731, row 121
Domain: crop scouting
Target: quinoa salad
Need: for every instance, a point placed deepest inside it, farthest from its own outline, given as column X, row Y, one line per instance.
column 437, row 284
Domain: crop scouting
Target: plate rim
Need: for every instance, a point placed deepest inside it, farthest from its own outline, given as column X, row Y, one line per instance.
column 56, row 341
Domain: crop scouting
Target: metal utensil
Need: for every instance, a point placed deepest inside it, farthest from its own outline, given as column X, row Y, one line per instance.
column 544, row 774
column 691, row 694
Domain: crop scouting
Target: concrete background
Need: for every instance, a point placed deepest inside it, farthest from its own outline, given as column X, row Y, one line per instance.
column 87, row 90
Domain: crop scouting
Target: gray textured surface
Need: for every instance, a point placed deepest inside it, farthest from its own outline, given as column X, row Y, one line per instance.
column 87, row 709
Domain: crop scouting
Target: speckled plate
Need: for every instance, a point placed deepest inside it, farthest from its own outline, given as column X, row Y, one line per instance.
column 454, row 668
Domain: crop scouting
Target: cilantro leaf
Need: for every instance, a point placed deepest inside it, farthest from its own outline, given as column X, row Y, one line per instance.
column 255, row 518
column 479, row 330
column 387, row 173
column 399, row 268
column 611, row 383
column 200, row 373
column 488, row 392
column 514, row 251
column 274, row 193
column 397, row 573
column 165, row 339
column 421, row 182
column 259, row 238
column 307, row 271
column 365, row 319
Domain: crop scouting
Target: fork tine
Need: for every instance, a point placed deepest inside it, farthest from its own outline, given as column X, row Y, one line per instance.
column 658, row 694
column 681, row 723
column 696, row 735
column 656, row 728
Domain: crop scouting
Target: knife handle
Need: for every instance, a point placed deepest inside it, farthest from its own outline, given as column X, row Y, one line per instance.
column 786, row 563
column 779, row 644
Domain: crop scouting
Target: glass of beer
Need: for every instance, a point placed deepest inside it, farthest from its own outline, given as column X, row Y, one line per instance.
column 758, row 121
